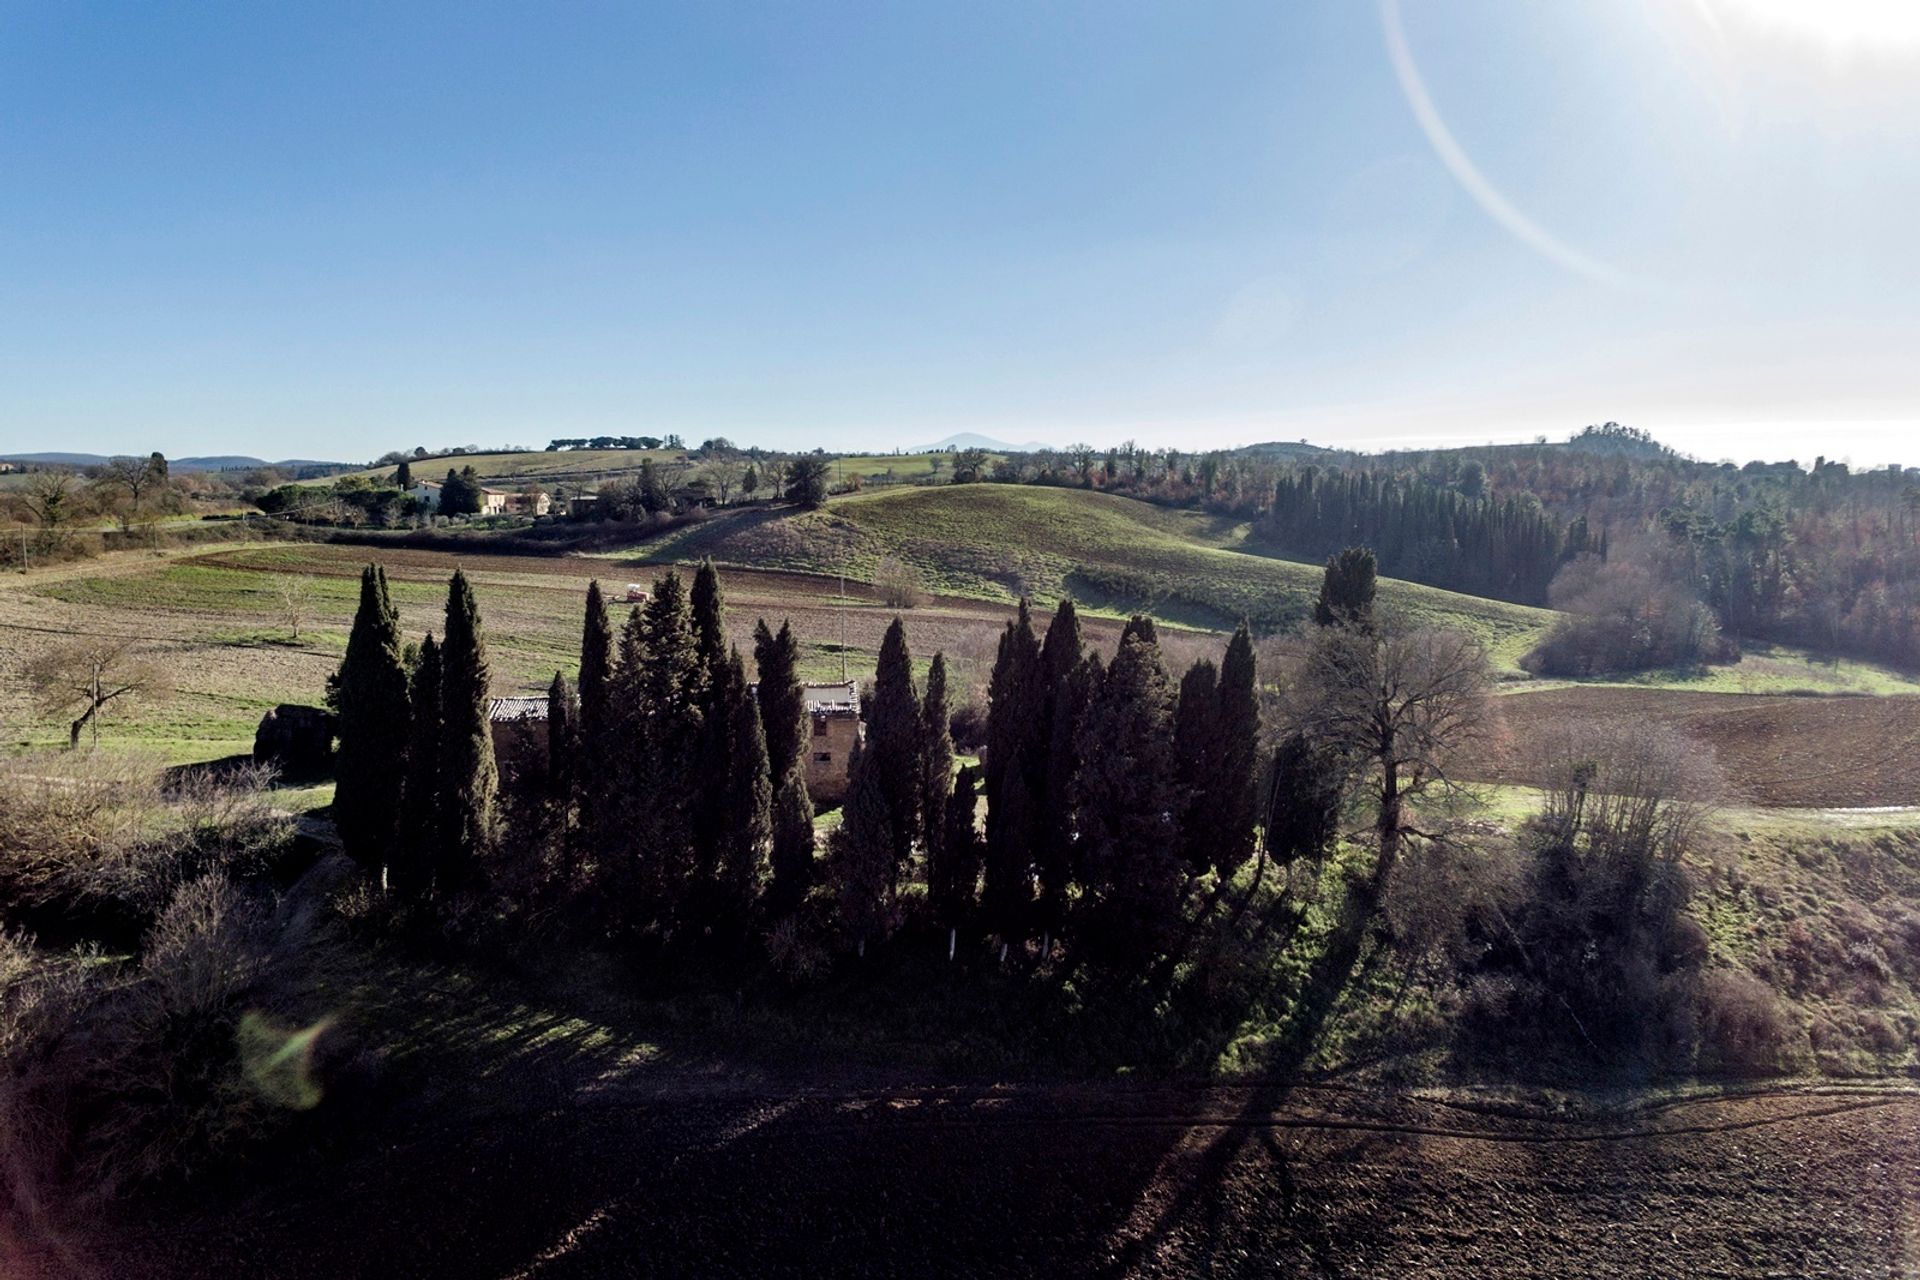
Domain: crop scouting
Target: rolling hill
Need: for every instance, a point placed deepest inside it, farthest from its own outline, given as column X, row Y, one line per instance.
column 220, row 462
column 591, row 467
column 1113, row 554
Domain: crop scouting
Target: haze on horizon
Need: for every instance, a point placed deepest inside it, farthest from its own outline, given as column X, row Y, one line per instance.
column 329, row 232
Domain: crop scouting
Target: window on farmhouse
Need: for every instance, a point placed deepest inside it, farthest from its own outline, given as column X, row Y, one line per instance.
column 824, row 757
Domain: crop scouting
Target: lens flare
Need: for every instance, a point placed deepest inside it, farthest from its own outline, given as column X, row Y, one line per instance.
column 1454, row 156
column 1867, row 25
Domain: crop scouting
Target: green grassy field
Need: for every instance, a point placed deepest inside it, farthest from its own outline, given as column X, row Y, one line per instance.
column 213, row 619
column 1762, row 669
column 518, row 468
column 214, row 615
column 897, row 467
column 1115, row 555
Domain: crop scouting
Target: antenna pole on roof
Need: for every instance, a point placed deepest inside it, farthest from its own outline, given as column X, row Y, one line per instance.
column 843, row 614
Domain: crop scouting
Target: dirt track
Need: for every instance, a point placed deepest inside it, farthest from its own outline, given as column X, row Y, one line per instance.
column 694, row 1178
column 1801, row 752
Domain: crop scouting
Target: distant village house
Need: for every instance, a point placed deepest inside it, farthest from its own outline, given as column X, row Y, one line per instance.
column 493, row 502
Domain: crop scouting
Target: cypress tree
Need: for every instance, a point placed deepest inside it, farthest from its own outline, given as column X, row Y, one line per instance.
column 1347, row 589
column 1064, row 646
column 621, row 804
column 596, row 666
column 563, row 760
column 403, row 475
column 1060, row 654
column 1194, row 736
column 370, row 697
column 412, row 864
column 1234, row 787
column 469, row 779
column 936, row 763
column 563, row 733
column 1007, row 897
column 460, row 493
column 1303, row 801
column 1140, row 627
column 894, row 749
column 792, row 846
column 670, row 691
column 1012, row 715
column 709, row 623
column 713, row 783
column 747, row 806
column 783, row 705
column 598, row 752
column 1056, row 849
column 1128, row 790
column 860, row 855
column 953, row 870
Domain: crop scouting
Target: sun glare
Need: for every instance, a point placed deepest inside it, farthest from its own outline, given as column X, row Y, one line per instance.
column 1872, row 25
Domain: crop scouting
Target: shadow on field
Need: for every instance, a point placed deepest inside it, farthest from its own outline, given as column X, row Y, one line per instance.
column 668, row 1172
column 698, row 539
column 1199, row 1190
column 558, row 1138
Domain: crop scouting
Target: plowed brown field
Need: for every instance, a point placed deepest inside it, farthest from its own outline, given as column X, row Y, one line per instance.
column 1801, row 752
column 1099, row 1180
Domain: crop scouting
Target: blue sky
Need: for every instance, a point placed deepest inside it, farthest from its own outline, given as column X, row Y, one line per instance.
column 330, row 230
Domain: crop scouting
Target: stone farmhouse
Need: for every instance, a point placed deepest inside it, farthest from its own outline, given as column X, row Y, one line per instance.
column 833, row 716
column 519, row 726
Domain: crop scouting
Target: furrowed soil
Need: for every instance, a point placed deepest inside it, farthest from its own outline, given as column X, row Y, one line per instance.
column 1793, row 752
column 697, row 1174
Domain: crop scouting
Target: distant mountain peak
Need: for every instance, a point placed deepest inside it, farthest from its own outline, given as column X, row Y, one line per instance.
column 974, row 440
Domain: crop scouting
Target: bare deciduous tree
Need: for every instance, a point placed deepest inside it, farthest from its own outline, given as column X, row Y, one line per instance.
column 1395, row 706
column 293, row 593
column 130, row 482
column 673, row 474
column 1602, row 931
column 726, row 470
column 89, row 674
column 1636, row 795
column 899, row 586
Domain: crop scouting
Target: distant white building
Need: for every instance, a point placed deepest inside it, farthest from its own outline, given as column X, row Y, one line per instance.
column 493, row 502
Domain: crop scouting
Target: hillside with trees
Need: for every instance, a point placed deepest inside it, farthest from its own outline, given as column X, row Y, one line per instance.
column 1818, row 555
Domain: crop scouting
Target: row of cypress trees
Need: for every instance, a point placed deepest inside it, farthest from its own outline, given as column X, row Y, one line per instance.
column 678, row 792
column 675, row 791
column 1109, row 790
column 417, row 788
column 662, row 792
